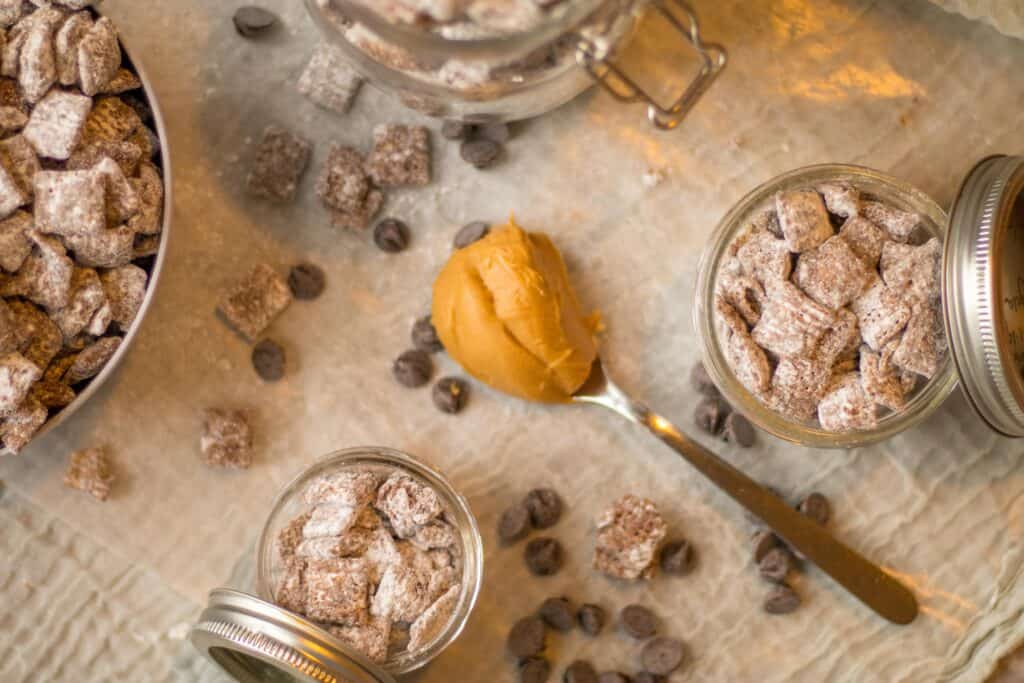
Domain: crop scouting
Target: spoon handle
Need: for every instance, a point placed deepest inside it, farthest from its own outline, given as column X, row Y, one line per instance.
column 864, row 579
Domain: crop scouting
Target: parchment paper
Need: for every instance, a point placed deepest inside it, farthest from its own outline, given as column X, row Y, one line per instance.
column 901, row 86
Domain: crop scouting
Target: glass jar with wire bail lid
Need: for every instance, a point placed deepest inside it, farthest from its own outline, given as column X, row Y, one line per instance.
column 368, row 567
column 503, row 60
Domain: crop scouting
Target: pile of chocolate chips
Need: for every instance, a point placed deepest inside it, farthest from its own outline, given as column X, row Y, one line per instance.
column 715, row 416
column 482, row 145
column 540, row 509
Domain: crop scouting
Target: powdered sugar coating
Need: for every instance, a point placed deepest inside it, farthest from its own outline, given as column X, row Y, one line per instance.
column 832, row 274
column 400, row 156
column 328, row 80
column 89, row 470
column 847, row 407
column 407, row 503
column 628, row 536
column 791, row 324
column 803, row 219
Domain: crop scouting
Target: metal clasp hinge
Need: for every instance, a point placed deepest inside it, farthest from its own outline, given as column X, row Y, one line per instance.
column 619, row 85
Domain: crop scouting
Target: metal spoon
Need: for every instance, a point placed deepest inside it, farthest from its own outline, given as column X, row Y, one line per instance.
column 865, row 580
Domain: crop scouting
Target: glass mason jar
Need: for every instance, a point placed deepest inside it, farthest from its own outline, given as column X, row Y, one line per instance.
column 513, row 66
column 982, row 298
column 253, row 639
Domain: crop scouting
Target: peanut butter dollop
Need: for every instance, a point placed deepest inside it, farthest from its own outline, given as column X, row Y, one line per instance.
column 504, row 309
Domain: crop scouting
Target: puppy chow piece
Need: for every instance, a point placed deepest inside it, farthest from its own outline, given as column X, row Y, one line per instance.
column 328, row 80
column 881, row 379
column 121, row 199
column 10, row 12
column 764, row 256
column 99, row 56
column 280, row 160
column 9, row 64
column 122, row 82
column 329, row 520
column 11, row 194
column 899, row 224
column 37, row 65
column 90, row 360
column 18, row 428
column 17, row 375
column 149, row 188
column 359, row 220
column 89, row 471
column 400, row 156
column 125, row 289
column 226, row 440
column 45, row 276
column 145, row 245
column 349, row 488
column 106, row 248
column 744, row 293
column 41, row 339
column 251, row 305
column 290, row 591
column 407, row 503
column 881, row 313
column 803, row 219
column 338, row 591
column 19, row 160
column 15, row 243
column 343, row 184
column 841, row 339
column 921, row 348
column 913, row 271
column 430, row 624
column 832, row 274
column 84, row 299
column 841, row 198
column 12, row 119
column 66, row 43
column 767, row 220
column 628, row 536
column 798, row 384
column 126, row 153
column 745, row 358
column 10, row 334
column 791, row 323
column 847, row 407
column 371, row 638
column 69, row 202
column 405, row 589
column 111, row 120
column 864, row 238
column 56, row 124
column 434, row 535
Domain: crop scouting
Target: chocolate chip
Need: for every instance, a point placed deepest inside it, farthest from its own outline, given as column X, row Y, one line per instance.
column 455, row 130
column 648, row 677
column 514, row 523
column 413, row 368
column 545, row 507
column 677, row 557
column 450, row 394
column 251, row 21
column 775, row 564
column 543, row 556
column 580, row 672
column 701, row 381
column 638, row 622
column 306, row 281
column 710, row 414
column 558, row 614
column 663, row 655
column 482, row 153
column 781, row 599
column 494, row 131
column 268, row 360
column 424, row 336
column 816, row 507
column 591, row 619
column 526, row 639
column 764, row 542
column 613, row 677
column 391, row 235
column 738, row 430
column 534, row 670
column 471, row 232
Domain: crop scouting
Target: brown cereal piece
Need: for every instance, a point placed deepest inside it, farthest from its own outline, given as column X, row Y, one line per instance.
column 898, row 223
column 52, row 394
column 226, row 440
column 99, row 56
column 832, row 274
column 864, row 238
column 20, row 161
column 108, row 248
column 429, row 625
column 841, row 198
column 289, row 537
column 9, row 60
column 343, row 184
column 10, row 12
column 803, row 219
column 290, row 591
column 89, row 470
column 407, row 504
column 406, row 589
column 744, row 293
column 41, row 339
column 45, row 276
column 881, row 313
column 69, row 202
column 841, row 340
column 628, row 536
column 846, row 406
column 767, row 220
column 92, row 359
column 121, row 198
column 359, row 220
column 111, row 120
column 328, row 80
column 17, row 375
column 923, row 344
column 280, row 160
column 145, row 245
column 745, row 358
column 881, row 380
column 37, row 65
column 84, row 298
column 251, row 305
column 149, row 187
column 331, row 520
column 15, row 243
column 351, row 488
column 10, row 335
column 791, row 323
column 370, row 639
column 11, row 194
column 10, row 95
column 57, row 369
column 56, row 124
column 798, row 384
column 434, row 535
column 381, row 552
column 127, row 155
column 765, row 257
column 122, row 82
column 913, row 271
column 125, row 289
column 400, row 156
column 66, row 46
column 146, row 140
column 338, row 591
column 18, row 428
column 12, row 119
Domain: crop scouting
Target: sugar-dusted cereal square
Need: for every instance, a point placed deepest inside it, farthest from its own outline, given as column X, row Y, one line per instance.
column 17, row 375
column 290, row 591
column 370, row 638
column 803, row 219
column 352, row 488
column 41, row 339
column 280, row 161
column 791, row 323
column 400, row 156
column 18, row 428
column 913, row 270
column 19, row 159
column 338, row 591
column 899, row 224
column 407, row 504
column 328, row 80
column 252, row 304
column 92, row 359
column 89, row 470
column 881, row 379
column 56, row 123
column 360, row 218
column 343, row 184
column 923, row 344
column 106, row 248
column 746, row 359
column 121, row 199
column 226, row 440
column 832, row 274
column 125, row 290
column 66, row 42
column 37, row 66
column 84, row 298
column 15, row 243
column 764, row 256
column 69, row 202
column 149, row 188
column 846, row 407
column 797, row 386
column 841, row 198
column 841, row 339
column 744, row 293
column 881, row 312
column 99, row 56
column 45, row 276
column 865, row 238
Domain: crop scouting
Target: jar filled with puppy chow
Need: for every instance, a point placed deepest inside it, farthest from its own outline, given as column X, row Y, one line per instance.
column 368, row 567
column 838, row 306
column 500, row 60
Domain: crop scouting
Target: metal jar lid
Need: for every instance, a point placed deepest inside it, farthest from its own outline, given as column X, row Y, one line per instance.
column 983, row 291
column 255, row 641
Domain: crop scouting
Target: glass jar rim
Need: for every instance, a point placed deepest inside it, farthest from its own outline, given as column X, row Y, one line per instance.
column 923, row 403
